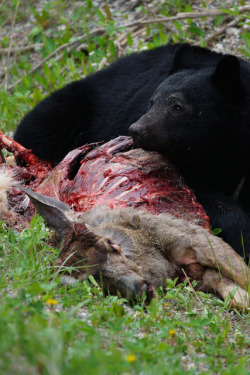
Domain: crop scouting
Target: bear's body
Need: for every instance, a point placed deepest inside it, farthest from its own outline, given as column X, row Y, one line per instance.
column 199, row 117
column 96, row 108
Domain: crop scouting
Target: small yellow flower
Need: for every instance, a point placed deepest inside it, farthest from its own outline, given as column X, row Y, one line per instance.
column 167, row 304
column 52, row 302
column 130, row 358
column 172, row 332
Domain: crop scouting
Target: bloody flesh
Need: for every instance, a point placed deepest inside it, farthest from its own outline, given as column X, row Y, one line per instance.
column 113, row 174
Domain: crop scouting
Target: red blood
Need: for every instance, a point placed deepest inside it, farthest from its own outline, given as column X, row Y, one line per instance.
column 114, row 175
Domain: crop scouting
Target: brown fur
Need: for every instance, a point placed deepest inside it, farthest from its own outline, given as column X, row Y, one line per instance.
column 159, row 247
column 133, row 251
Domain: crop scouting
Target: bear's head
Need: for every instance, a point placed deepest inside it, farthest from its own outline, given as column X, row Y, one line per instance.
column 195, row 112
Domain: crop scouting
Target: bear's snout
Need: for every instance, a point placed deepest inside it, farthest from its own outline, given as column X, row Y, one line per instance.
column 138, row 133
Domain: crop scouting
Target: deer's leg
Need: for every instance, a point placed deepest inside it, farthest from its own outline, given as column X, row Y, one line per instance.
column 224, row 287
column 204, row 249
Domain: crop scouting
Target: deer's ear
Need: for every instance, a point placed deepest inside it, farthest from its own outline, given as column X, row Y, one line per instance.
column 56, row 213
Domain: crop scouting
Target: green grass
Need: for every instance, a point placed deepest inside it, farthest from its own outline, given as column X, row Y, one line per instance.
column 49, row 328
column 45, row 326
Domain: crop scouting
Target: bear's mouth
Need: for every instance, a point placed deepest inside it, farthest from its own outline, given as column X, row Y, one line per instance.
column 150, row 144
column 147, row 145
column 144, row 140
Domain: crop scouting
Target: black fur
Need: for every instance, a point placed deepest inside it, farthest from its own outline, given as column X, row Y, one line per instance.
column 192, row 104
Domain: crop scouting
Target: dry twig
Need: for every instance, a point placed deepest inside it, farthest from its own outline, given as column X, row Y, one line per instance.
column 60, row 48
column 191, row 286
column 181, row 16
column 219, row 31
column 2, row 3
column 121, row 41
column 11, row 40
column 20, row 49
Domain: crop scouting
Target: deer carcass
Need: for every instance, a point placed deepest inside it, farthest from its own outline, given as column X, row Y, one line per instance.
column 126, row 215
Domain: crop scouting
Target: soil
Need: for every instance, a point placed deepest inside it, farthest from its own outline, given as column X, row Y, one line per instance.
column 18, row 24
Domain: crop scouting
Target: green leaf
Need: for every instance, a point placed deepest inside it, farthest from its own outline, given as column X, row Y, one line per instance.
column 91, row 278
column 118, row 310
column 247, row 39
column 196, row 30
column 217, row 231
column 129, row 40
column 100, row 15
column 108, row 12
column 36, row 31
column 218, row 20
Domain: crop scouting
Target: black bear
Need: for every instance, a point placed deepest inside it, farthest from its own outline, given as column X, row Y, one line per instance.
column 189, row 103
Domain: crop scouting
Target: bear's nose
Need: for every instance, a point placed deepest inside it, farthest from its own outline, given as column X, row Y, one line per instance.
column 135, row 131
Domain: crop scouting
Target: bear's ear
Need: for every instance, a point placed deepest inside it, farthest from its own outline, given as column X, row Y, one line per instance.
column 183, row 58
column 227, row 77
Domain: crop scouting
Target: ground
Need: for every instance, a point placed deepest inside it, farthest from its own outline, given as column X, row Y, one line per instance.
column 45, row 326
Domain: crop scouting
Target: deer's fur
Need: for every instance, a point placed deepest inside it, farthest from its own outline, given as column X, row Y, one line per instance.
column 162, row 245
column 144, row 249
column 6, row 182
column 134, row 251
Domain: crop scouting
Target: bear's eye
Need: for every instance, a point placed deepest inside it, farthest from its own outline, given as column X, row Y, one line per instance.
column 178, row 108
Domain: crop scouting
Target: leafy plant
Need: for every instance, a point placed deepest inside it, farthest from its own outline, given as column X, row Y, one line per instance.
column 47, row 326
